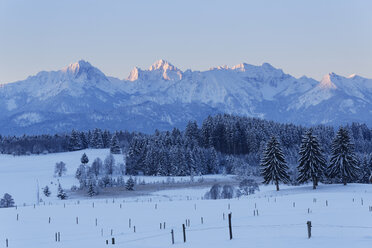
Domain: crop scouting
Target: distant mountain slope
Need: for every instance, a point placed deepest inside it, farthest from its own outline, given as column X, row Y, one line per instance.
column 80, row 96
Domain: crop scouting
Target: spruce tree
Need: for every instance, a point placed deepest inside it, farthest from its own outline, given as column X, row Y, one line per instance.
column 129, row 184
column 74, row 141
column 274, row 167
column 46, row 191
column 97, row 141
column 92, row 188
column 84, row 159
column 61, row 193
column 312, row 162
column 84, row 141
column 114, row 145
column 7, row 201
column 106, row 138
column 365, row 171
column 343, row 163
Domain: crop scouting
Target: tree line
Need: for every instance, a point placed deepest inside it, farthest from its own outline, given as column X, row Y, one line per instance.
column 76, row 140
column 236, row 145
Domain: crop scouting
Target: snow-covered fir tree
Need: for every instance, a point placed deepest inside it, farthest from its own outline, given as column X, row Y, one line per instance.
column 106, row 139
column 129, row 184
column 97, row 141
column 61, row 193
column 74, row 141
column 46, row 191
column 84, row 159
column 92, row 188
column 274, row 167
column 343, row 163
column 312, row 162
column 7, row 201
column 365, row 170
column 114, row 145
column 84, row 141
column 192, row 131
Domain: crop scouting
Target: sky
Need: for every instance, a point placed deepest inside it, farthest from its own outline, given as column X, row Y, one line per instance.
column 309, row 38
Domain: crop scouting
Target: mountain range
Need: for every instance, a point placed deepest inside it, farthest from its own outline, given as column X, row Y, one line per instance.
column 82, row 97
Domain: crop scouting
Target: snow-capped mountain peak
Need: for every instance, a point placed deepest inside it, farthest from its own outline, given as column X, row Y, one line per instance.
column 169, row 71
column 162, row 65
column 164, row 97
column 352, row 75
column 75, row 67
column 85, row 71
column 133, row 75
column 326, row 82
column 161, row 69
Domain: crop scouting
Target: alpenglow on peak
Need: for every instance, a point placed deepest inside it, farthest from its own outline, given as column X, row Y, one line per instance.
column 77, row 66
column 326, row 82
column 162, row 65
column 161, row 69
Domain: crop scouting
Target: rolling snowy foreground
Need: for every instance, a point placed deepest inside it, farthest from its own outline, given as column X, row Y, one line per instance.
column 340, row 215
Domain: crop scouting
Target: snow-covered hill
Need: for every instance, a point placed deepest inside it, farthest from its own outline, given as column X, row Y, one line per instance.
column 80, row 96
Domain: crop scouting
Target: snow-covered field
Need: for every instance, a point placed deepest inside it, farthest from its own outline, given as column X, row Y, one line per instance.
column 20, row 175
column 340, row 218
column 340, row 215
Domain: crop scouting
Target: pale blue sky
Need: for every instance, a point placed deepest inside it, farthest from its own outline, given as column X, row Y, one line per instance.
column 302, row 37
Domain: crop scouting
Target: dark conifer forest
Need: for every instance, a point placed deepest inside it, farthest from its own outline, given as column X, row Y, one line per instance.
column 221, row 144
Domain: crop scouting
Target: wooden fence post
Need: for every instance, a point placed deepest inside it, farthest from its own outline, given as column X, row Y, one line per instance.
column 184, row 233
column 172, row 233
column 309, row 229
column 7, row 242
column 113, row 241
column 230, row 227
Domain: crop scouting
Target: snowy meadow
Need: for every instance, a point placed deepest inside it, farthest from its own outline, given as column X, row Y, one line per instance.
column 340, row 216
